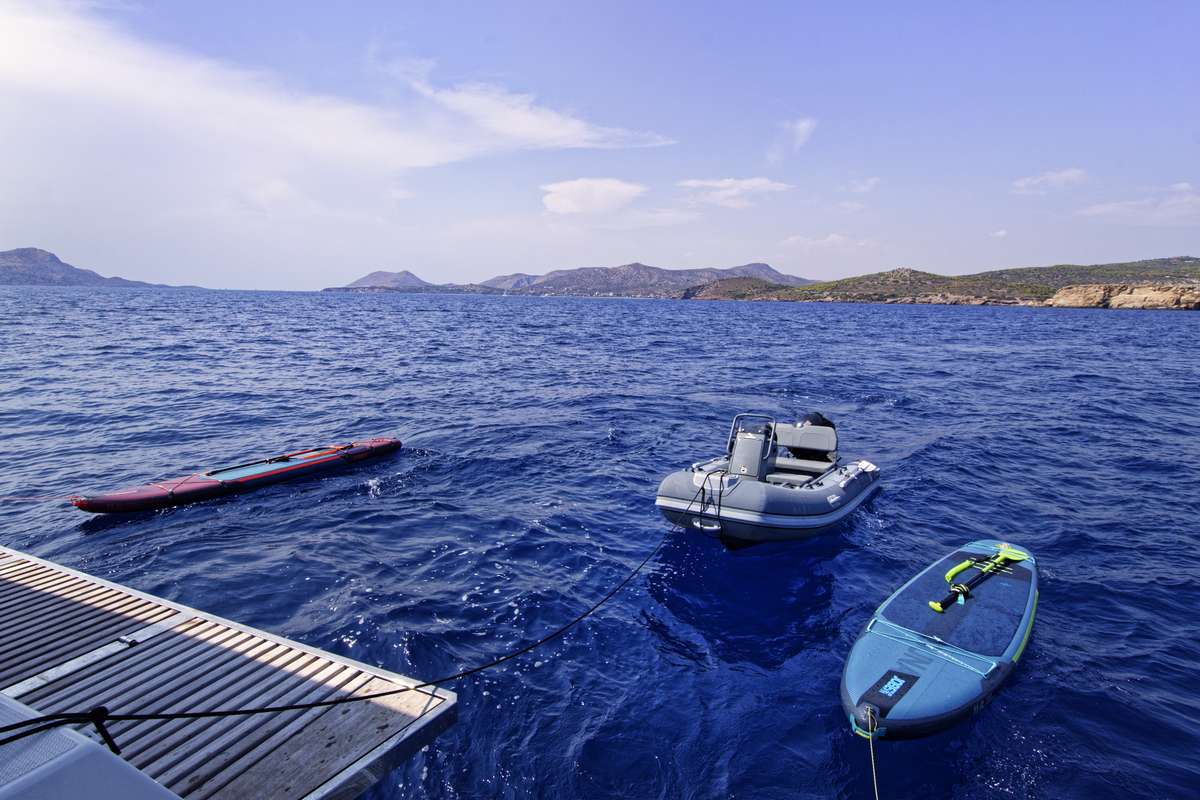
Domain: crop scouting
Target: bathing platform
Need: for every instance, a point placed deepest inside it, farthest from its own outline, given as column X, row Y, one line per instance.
column 70, row 642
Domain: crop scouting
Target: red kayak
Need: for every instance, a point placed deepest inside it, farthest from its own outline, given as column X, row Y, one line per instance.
column 231, row 480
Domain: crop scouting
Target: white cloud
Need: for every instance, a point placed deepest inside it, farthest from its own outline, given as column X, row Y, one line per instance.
column 850, row 206
column 864, row 185
column 513, row 117
column 1182, row 186
column 793, row 134
column 800, row 131
column 730, row 192
column 589, row 195
column 1053, row 179
column 164, row 149
column 998, row 234
column 828, row 242
column 1181, row 208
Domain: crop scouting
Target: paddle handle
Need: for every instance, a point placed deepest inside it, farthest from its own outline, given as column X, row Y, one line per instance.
column 948, row 600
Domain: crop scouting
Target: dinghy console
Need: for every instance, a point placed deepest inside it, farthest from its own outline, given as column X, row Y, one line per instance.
column 750, row 445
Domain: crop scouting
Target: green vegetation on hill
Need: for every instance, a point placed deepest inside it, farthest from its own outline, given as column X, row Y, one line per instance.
column 1025, row 284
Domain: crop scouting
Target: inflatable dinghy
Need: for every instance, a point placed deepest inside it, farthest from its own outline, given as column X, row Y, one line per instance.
column 776, row 480
column 230, row 480
column 938, row 649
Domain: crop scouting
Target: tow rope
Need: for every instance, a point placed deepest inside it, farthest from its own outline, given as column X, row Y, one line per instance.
column 872, row 726
column 100, row 715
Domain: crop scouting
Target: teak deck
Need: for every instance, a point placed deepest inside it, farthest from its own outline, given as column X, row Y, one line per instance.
column 70, row 641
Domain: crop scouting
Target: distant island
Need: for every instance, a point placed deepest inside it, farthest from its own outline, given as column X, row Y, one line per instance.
column 1160, row 283
column 1155, row 283
column 627, row 280
column 29, row 266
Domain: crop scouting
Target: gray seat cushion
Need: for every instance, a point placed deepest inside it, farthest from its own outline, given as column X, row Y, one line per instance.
column 810, row 437
column 800, row 464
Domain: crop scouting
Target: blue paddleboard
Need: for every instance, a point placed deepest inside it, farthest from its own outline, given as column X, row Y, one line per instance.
column 917, row 670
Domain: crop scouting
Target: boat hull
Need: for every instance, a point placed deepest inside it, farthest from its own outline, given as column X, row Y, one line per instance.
column 760, row 511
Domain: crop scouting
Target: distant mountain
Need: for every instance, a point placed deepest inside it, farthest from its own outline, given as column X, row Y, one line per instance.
column 517, row 280
column 29, row 266
column 405, row 281
column 389, row 280
column 627, row 280
column 1023, row 285
column 633, row 280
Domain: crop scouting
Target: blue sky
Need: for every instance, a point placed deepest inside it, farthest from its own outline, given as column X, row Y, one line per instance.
column 294, row 146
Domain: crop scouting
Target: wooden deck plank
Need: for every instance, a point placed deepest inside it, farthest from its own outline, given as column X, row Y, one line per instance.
column 33, row 625
column 273, row 661
column 32, row 660
column 65, row 637
column 37, row 596
column 248, row 691
column 59, row 671
column 26, row 568
column 69, row 641
column 188, row 776
column 16, row 583
column 102, row 674
column 328, row 744
column 133, row 682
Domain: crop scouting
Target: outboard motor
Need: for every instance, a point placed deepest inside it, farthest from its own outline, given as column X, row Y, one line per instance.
column 749, row 453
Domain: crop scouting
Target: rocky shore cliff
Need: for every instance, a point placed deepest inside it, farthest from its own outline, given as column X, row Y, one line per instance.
column 1120, row 295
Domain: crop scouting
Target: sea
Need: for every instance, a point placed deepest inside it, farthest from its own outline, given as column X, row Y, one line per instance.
column 535, row 433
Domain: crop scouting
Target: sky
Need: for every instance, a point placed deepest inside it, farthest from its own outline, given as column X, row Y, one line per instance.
column 285, row 145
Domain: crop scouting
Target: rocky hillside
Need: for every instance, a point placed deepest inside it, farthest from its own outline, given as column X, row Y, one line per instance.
column 732, row 289
column 389, row 280
column 29, row 266
column 627, row 280
column 517, row 280
column 405, row 281
column 1022, row 286
column 634, row 280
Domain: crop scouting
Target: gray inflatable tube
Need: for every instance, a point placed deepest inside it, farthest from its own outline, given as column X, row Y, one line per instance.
column 710, row 499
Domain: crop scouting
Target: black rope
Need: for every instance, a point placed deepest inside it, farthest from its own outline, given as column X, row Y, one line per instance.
column 99, row 715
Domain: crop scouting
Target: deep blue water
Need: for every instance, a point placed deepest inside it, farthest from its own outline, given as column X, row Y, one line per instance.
column 535, row 433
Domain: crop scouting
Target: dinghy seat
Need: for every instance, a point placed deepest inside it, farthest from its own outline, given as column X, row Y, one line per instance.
column 810, row 449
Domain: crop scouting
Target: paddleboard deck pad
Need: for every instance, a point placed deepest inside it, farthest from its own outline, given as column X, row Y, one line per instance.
column 232, row 480
column 916, row 671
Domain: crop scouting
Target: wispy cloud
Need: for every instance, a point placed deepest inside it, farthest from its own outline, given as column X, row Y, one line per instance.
column 1045, row 181
column 830, row 241
column 730, row 192
column 508, row 116
column 166, row 149
column 793, row 134
column 589, row 195
column 1178, row 208
column 864, row 185
column 850, row 206
column 999, row 234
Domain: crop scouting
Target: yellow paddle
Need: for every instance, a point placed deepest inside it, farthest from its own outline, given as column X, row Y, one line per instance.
column 986, row 567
